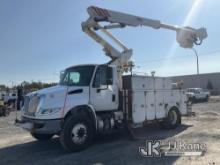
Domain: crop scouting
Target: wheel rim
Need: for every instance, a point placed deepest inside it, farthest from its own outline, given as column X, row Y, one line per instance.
column 172, row 117
column 79, row 133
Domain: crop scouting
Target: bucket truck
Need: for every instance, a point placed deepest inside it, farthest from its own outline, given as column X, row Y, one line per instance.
column 92, row 99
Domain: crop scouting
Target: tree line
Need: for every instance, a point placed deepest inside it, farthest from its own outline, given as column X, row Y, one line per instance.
column 27, row 86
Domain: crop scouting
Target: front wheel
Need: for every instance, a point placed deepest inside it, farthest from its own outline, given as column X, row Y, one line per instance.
column 172, row 120
column 42, row 137
column 77, row 133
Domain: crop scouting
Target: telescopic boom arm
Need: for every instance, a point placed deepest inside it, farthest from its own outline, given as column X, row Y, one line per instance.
column 187, row 37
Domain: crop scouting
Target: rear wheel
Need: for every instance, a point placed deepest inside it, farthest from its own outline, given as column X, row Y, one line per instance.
column 207, row 98
column 42, row 137
column 194, row 99
column 172, row 120
column 77, row 133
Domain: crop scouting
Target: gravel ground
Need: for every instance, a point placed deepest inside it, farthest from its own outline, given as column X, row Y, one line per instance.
column 18, row 147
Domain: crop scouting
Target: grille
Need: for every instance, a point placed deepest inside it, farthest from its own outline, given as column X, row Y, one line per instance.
column 26, row 103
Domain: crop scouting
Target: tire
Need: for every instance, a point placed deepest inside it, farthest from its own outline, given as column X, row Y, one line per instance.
column 173, row 119
column 42, row 137
column 6, row 112
column 2, row 112
column 194, row 100
column 77, row 133
column 207, row 99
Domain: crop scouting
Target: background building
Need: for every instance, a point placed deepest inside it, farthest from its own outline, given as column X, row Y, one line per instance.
column 210, row 81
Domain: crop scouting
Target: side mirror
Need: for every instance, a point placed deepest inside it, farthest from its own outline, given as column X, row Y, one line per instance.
column 102, row 87
column 109, row 82
column 109, row 76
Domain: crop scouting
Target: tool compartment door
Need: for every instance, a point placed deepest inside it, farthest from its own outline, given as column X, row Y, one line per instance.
column 138, row 107
column 159, row 101
column 150, row 105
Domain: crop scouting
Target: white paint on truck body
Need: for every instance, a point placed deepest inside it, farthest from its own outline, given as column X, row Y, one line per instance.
column 152, row 98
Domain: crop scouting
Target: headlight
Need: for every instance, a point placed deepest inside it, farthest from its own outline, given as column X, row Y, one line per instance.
column 49, row 111
column 41, row 100
column 31, row 106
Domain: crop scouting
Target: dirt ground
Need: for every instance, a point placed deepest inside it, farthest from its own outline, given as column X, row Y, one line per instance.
column 18, row 147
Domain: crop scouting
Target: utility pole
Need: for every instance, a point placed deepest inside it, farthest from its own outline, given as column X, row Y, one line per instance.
column 197, row 61
column 197, row 58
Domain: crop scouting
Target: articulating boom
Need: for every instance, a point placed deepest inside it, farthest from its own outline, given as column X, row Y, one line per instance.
column 187, row 37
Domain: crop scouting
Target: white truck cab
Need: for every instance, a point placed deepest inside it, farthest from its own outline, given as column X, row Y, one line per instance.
column 93, row 99
column 84, row 88
column 79, row 85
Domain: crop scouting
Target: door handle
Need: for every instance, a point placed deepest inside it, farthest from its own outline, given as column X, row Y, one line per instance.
column 113, row 98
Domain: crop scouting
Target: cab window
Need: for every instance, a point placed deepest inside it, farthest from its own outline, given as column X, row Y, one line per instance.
column 77, row 76
column 102, row 76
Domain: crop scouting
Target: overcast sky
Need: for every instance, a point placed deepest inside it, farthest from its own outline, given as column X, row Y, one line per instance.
column 40, row 38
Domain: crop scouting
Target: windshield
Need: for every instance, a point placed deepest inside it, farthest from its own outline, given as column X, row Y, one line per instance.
column 77, row 76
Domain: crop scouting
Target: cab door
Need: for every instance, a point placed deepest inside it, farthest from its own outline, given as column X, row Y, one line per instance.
column 104, row 89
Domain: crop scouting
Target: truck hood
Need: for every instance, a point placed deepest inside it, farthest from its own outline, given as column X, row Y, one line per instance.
column 50, row 90
column 54, row 98
column 54, row 91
